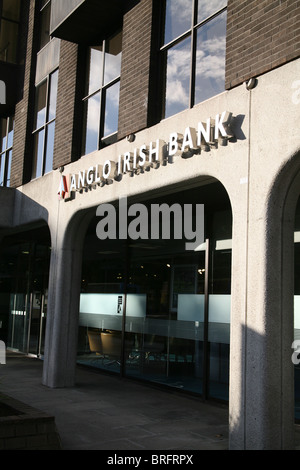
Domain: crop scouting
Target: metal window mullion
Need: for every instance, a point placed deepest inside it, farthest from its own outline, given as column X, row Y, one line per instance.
column 6, row 134
column 4, row 153
column 176, row 41
column 209, row 18
column 193, row 55
column 44, row 6
column 206, row 365
column 102, row 100
column 102, row 116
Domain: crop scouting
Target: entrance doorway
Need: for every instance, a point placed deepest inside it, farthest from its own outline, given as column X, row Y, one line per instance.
column 154, row 311
column 24, row 272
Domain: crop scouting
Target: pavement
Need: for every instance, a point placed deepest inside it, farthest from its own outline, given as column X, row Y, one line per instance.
column 105, row 412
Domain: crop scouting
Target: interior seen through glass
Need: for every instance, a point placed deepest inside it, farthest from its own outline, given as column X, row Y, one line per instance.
column 143, row 303
column 153, row 297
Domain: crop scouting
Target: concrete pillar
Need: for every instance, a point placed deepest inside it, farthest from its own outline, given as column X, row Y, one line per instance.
column 63, row 305
column 62, row 318
column 261, row 406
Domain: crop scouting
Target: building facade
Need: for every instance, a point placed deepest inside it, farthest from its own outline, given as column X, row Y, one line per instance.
column 118, row 119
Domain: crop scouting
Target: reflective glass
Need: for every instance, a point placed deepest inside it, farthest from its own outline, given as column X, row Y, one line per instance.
column 38, row 154
column 3, row 130
column 210, row 59
column 113, row 55
column 178, row 78
column 207, row 8
column 164, row 320
column 40, row 105
column 10, row 133
column 163, row 296
column 45, row 26
column 26, row 268
column 219, row 304
column 178, row 18
column 104, row 67
column 92, row 123
column 111, row 109
column 101, row 305
column 2, row 169
column 53, row 96
column 49, row 148
column 95, row 69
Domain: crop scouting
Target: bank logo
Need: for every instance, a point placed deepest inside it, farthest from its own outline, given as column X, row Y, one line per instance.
column 156, row 222
column 63, row 188
column 2, row 92
column 2, row 353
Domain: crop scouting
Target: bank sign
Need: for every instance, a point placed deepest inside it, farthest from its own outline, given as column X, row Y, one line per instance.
column 153, row 155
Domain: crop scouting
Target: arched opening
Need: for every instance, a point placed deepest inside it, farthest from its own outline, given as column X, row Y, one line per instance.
column 24, row 275
column 150, row 308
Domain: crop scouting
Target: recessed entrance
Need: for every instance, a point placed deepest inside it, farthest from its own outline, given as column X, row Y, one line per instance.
column 25, row 259
column 152, row 310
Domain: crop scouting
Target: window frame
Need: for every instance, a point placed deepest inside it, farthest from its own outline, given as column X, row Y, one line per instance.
column 164, row 48
column 44, row 127
column 7, row 153
column 16, row 23
column 44, row 5
column 102, row 139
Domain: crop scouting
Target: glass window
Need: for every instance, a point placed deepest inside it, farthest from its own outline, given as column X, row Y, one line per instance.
column 6, row 133
column 193, row 53
column 207, row 8
column 178, row 19
column 44, row 128
column 111, row 110
column 9, row 30
column 210, row 58
column 113, row 54
column 177, row 79
column 102, row 100
column 167, row 306
column 45, row 23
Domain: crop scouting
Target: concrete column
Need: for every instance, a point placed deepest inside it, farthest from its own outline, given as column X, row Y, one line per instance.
column 62, row 318
column 63, row 305
column 261, row 407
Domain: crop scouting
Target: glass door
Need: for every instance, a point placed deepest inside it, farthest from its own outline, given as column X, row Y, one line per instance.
column 28, row 297
column 37, row 323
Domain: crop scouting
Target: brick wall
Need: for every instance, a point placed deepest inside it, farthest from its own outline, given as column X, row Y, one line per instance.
column 25, row 428
column 68, row 127
column 136, row 62
column 22, row 146
column 261, row 35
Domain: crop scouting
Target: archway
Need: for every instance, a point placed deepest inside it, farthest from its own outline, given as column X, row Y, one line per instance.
column 164, row 310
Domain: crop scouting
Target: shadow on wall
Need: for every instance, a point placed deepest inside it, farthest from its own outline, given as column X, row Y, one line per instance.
column 263, row 418
column 18, row 210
